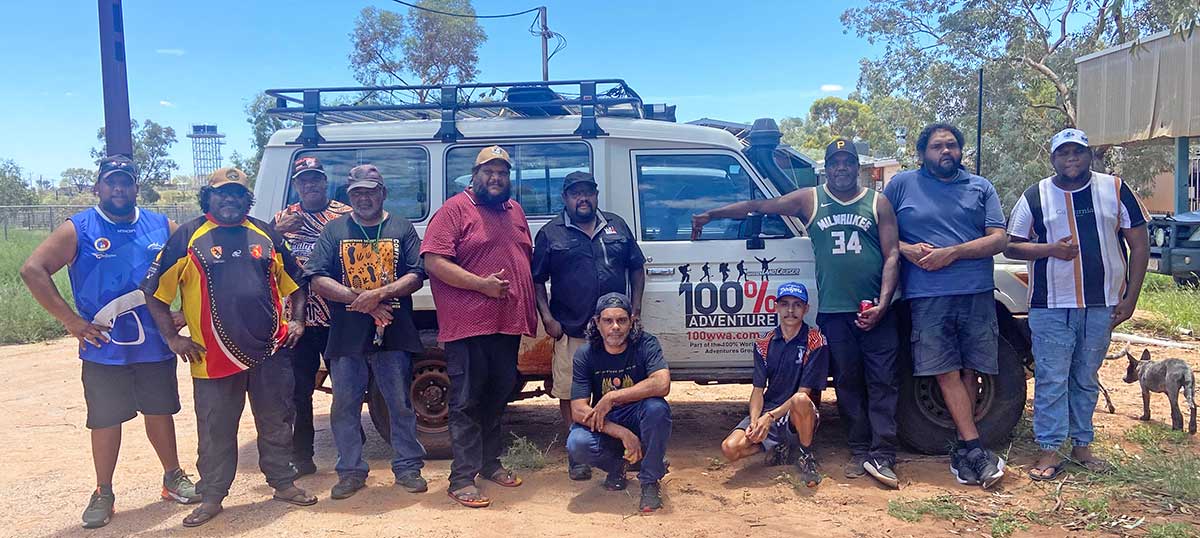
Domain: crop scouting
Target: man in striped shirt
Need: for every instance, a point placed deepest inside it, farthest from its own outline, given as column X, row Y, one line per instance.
column 1084, row 234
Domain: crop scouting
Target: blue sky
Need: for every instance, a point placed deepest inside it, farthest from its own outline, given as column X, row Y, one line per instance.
column 200, row 61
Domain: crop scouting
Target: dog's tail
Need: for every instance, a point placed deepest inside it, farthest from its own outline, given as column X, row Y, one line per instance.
column 1118, row 354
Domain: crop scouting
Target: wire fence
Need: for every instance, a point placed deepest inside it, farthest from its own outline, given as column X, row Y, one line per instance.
column 48, row 217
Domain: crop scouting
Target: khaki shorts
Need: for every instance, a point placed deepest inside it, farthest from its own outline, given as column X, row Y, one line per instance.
column 561, row 365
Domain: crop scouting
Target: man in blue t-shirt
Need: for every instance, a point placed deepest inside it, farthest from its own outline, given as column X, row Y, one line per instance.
column 951, row 225
column 127, row 366
column 619, row 380
column 791, row 364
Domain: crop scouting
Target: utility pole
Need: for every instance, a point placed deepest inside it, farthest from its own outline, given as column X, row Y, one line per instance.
column 118, row 136
column 545, row 45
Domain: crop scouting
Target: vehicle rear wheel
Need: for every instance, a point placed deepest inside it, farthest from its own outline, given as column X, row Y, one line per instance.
column 430, row 397
column 923, row 421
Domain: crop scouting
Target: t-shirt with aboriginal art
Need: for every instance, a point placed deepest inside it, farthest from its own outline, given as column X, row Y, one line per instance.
column 368, row 258
column 597, row 372
column 232, row 280
column 301, row 242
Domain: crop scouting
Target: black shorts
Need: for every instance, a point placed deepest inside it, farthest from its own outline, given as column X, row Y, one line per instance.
column 117, row 393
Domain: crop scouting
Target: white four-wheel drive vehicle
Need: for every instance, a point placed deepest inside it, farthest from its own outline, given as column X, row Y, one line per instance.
column 707, row 301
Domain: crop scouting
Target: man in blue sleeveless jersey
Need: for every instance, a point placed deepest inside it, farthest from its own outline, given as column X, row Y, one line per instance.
column 127, row 366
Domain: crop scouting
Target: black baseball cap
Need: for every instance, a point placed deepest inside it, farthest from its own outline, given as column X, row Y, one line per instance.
column 613, row 300
column 117, row 163
column 577, row 177
column 841, row 145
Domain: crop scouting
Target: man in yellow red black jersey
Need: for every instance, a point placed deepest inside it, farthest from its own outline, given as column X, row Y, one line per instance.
column 232, row 272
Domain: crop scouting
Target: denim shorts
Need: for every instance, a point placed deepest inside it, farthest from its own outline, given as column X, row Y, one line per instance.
column 954, row 332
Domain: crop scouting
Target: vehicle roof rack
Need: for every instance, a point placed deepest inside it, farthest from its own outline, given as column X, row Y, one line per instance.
column 587, row 99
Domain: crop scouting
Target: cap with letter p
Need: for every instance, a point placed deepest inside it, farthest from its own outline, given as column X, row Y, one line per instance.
column 1069, row 135
column 792, row 289
column 841, row 145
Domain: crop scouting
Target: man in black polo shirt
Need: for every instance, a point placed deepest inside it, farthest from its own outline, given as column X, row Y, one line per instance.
column 790, row 366
column 584, row 253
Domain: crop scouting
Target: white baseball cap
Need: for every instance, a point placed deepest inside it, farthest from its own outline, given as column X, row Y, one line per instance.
column 1064, row 136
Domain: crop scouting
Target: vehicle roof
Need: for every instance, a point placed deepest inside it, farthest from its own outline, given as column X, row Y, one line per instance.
column 490, row 129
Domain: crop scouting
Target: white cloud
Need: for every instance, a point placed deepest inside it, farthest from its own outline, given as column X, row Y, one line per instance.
column 830, row 88
column 167, row 104
column 171, row 52
column 69, row 94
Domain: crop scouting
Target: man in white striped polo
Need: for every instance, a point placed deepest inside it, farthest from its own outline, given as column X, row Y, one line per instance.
column 1084, row 234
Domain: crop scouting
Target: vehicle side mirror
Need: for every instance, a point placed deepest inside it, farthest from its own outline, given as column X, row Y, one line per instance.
column 751, row 229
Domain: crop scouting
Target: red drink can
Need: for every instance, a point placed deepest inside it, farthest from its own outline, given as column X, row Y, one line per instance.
column 864, row 305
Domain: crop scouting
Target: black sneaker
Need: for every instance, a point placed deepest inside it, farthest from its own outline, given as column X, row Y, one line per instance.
column 579, row 471
column 962, row 471
column 987, row 466
column 806, row 466
column 346, row 487
column 304, row 467
column 651, row 498
column 412, row 482
column 616, row 481
column 99, row 510
column 854, row 467
column 781, row 454
column 881, row 470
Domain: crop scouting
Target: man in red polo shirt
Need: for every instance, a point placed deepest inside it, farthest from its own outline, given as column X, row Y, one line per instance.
column 477, row 252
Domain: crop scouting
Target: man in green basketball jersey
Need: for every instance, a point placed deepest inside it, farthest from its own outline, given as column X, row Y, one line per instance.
column 856, row 245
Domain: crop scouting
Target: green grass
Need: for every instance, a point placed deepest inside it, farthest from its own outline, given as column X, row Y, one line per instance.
column 22, row 319
column 1175, row 306
column 523, row 455
column 1154, row 437
column 1005, row 524
column 1171, row 530
column 1169, row 477
column 913, row 510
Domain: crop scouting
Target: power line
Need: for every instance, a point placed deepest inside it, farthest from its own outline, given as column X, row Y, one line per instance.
column 463, row 15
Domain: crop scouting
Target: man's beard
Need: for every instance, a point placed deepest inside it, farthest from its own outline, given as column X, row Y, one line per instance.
column 484, row 197
column 115, row 210
column 941, row 171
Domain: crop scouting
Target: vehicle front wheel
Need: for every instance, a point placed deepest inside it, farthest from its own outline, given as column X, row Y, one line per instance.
column 923, row 421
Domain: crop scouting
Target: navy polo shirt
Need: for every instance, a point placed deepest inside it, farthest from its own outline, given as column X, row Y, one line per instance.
column 581, row 268
column 782, row 367
column 944, row 214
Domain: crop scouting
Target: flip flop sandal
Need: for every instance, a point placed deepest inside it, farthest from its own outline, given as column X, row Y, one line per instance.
column 1057, row 469
column 300, row 498
column 465, row 499
column 201, row 515
column 505, row 478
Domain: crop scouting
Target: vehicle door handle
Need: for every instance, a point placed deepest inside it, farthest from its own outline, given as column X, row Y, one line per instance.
column 660, row 271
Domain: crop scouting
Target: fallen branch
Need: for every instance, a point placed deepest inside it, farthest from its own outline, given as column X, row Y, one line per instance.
column 1134, row 339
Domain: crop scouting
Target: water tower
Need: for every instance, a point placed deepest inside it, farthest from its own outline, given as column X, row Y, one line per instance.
column 206, row 151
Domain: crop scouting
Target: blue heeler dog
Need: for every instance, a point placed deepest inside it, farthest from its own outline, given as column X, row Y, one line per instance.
column 1168, row 377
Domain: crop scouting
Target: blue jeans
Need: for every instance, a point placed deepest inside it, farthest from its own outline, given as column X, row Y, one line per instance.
column 1068, row 348
column 649, row 419
column 393, row 373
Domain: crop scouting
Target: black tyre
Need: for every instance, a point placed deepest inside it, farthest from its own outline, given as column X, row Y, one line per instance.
column 429, row 394
column 1187, row 280
column 923, row 422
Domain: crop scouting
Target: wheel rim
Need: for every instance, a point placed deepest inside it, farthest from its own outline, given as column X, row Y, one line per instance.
column 933, row 407
column 429, row 395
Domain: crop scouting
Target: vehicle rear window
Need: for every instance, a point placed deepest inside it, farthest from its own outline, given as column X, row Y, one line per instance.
column 405, row 173
column 537, row 174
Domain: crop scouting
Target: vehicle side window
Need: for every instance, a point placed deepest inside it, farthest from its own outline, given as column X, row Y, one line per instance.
column 673, row 187
column 537, row 175
column 405, row 173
